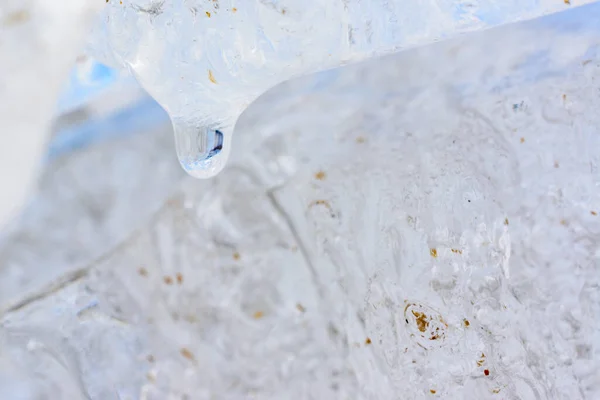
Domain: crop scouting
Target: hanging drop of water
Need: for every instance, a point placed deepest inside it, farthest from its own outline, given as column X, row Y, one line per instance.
column 202, row 151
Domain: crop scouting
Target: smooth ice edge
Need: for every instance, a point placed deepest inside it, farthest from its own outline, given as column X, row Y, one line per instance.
column 205, row 168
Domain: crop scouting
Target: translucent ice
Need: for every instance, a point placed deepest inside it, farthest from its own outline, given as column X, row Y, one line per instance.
column 205, row 61
column 421, row 226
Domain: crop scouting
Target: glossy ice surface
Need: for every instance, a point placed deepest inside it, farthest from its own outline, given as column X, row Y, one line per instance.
column 205, row 61
column 424, row 225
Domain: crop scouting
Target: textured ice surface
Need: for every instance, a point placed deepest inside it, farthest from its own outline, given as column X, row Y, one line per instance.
column 420, row 226
column 205, row 61
column 83, row 210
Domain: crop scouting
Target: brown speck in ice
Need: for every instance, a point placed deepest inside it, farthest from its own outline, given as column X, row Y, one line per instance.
column 496, row 391
column 320, row 175
column 568, row 2
column 236, row 256
column 422, row 322
column 179, row 278
column 360, row 139
column 368, row 341
column 505, row 221
column 187, row 354
column 258, row 315
column 466, row 323
column 168, row 280
column 564, row 222
column 211, row 77
column 522, row 140
column 234, row 10
column 482, row 359
column 486, row 372
column 16, row 18
column 564, row 97
column 321, row 203
column 432, row 391
column 556, row 164
column 150, row 358
column 433, row 253
column 142, row 271
column 208, row 14
column 456, row 251
column 586, row 62
column 283, row 11
column 594, row 213
column 120, row 2
column 300, row 308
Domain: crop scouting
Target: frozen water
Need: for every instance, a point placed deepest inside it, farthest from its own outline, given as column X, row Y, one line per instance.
column 83, row 210
column 205, row 61
column 424, row 225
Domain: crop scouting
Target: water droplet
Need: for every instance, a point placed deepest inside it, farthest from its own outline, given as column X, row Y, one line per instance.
column 202, row 151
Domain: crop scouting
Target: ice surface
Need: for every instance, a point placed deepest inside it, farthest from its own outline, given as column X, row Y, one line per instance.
column 83, row 210
column 205, row 61
column 424, row 225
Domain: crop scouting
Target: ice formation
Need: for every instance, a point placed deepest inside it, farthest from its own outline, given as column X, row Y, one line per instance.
column 425, row 225
column 205, row 61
